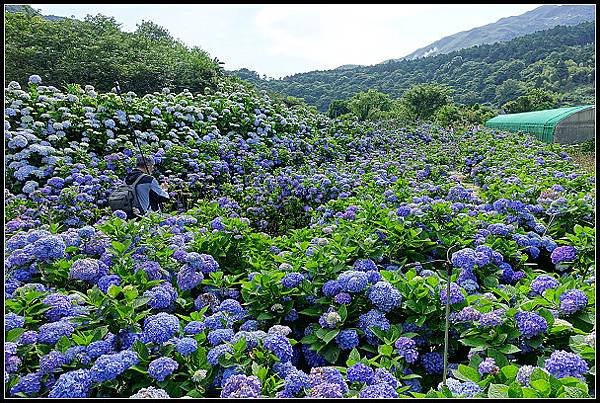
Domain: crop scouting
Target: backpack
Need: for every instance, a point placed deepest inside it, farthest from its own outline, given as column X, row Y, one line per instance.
column 122, row 198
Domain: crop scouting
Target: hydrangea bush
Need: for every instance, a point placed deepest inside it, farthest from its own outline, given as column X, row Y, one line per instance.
column 300, row 256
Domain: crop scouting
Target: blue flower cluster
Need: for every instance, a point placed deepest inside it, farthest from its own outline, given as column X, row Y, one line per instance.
column 572, row 301
column 373, row 319
column 406, row 348
column 162, row 367
column 562, row 364
column 384, row 296
column 530, row 324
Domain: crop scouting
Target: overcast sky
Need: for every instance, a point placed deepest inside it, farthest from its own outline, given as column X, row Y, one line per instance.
column 284, row 39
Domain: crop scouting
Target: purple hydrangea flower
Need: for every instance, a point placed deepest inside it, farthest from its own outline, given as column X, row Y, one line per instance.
column 347, row 339
column 562, row 364
column 456, row 296
column 342, row 298
column 241, row 386
column 378, row 391
column 160, row 328
column 384, row 296
column 572, row 301
column 542, row 283
column 360, row 372
column 488, row 366
column 73, row 384
column 291, row 280
column 162, row 367
column 530, row 324
column 563, row 254
column 406, row 348
column 432, row 362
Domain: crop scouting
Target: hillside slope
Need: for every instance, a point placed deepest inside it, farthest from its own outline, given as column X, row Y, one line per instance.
column 561, row 59
column 505, row 29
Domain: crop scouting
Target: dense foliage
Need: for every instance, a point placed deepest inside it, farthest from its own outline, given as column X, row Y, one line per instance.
column 561, row 59
column 309, row 257
column 96, row 51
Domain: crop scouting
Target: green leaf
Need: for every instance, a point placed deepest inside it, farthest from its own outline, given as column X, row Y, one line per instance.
column 471, row 374
column 573, row 392
column 538, row 373
column 542, row 386
column 498, row 391
column 385, row 350
column 114, row 290
column 13, row 334
column 515, row 390
column 509, row 349
column 327, row 337
column 353, row 357
column 510, row 372
column 474, row 341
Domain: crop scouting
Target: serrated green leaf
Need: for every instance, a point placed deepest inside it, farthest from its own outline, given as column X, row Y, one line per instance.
column 542, row 386
column 515, row 390
column 498, row 391
column 385, row 350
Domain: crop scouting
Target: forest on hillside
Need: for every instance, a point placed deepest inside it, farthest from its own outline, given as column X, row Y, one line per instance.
column 561, row 60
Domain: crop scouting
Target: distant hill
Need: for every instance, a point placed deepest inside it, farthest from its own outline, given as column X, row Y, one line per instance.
column 561, row 60
column 17, row 8
column 505, row 29
column 348, row 66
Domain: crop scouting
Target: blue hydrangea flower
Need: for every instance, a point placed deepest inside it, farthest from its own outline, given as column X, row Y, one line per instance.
column 205, row 263
column 212, row 357
column 563, row 254
column 493, row 318
column 382, row 375
column 360, row 372
column 162, row 367
column 186, row 346
column 241, row 386
column 378, row 391
column 107, row 367
column 295, row 382
column 331, row 288
column 220, row 336
column 106, row 281
column 542, row 283
column 407, row 349
column 51, row 361
column 27, row 338
column 188, row 278
column 28, row 384
column 279, row 345
column 160, row 328
column 291, row 280
column 572, row 301
column 456, row 296
column 50, row 333
column 161, row 296
column 562, row 364
column 73, row 384
column 432, row 362
column 353, row 281
column 373, row 318
column 330, row 319
column 342, row 298
column 97, row 348
column 524, row 374
column 530, row 324
column 193, row 327
column 13, row 321
column 326, row 390
column 347, row 339
column 364, row 265
column 384, row 296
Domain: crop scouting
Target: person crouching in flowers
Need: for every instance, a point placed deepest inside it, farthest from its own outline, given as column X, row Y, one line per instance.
column 149, row 194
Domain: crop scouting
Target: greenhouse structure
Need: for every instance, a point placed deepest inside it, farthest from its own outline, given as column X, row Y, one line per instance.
column 564, row 125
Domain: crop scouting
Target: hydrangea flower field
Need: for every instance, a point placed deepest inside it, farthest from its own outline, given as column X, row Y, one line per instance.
column 300, row 257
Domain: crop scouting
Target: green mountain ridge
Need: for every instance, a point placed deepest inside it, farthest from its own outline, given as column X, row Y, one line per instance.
column 561, row 59
column 505, row 29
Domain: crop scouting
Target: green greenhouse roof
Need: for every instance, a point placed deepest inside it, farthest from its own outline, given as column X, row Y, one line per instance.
column 541, row 123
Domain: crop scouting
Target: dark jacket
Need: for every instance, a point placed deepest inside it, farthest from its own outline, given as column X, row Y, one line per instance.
column 148, row 191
